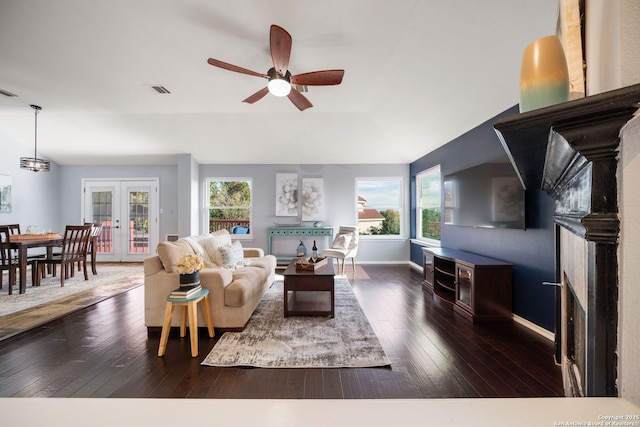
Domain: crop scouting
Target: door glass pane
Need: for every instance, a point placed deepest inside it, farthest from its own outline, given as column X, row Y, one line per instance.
column 102, row 213
column 138, row 234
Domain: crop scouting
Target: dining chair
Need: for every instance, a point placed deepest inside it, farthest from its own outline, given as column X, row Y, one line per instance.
column 74, row 250
column 92, row 249
column 11, row 230
column 9, row 260
column 15, row 229
column 345, row 245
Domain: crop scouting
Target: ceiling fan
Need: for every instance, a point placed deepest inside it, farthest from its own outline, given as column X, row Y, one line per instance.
column 281, row 82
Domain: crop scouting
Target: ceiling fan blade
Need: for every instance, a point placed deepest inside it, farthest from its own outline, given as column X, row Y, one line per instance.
column 318, row 78
column 257, row 96
column 235, row 68
column 299, row 100
column 280, row 42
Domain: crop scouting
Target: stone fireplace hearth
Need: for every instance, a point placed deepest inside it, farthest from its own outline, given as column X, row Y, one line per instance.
column 571, row 151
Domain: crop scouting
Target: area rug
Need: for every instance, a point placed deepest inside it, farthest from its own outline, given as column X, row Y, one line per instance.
column 49, row 301
column 272, row 341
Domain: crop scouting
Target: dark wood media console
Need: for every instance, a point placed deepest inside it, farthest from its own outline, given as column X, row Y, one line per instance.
column 477, row 287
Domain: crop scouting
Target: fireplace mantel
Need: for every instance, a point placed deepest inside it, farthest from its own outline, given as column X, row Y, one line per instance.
column 525, row 136
column 570, row 151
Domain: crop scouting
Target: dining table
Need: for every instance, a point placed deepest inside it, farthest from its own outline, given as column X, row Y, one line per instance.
column 23, row 242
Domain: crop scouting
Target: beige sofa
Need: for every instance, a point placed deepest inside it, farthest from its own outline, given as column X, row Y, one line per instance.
column 236, row 286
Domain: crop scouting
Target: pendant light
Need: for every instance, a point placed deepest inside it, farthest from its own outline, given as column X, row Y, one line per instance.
column 34, row 163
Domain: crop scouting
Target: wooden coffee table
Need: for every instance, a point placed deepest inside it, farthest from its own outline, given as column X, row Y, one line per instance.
column 309, row 293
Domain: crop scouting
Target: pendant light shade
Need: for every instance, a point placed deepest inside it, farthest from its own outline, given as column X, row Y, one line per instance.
column 34, row 163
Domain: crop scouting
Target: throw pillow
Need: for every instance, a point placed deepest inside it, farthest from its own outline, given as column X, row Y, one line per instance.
column 196, row 244
column 341, row 242
column 170, row 252
column 231, row 255
column 210, row 246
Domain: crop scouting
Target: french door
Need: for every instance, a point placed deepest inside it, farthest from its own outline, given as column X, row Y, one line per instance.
column 128, row 212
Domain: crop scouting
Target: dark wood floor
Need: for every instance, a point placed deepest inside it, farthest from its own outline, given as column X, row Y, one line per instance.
column 104, row 351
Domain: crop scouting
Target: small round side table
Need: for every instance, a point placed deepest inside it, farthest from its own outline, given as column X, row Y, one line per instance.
column 189, row 309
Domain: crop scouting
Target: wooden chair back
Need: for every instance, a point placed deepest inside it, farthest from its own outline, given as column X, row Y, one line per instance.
column 13, row 228
column 75, row 242
column 96, row 230
column 10, row 229
column 5, row 252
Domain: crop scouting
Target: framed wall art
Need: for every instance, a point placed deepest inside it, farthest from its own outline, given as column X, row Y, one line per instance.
column 286, row 194
column 312, row 202
column 5, row 193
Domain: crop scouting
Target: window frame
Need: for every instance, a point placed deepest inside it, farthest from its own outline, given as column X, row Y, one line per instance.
column 401, row 208
column 419, row 207
column 208, row 207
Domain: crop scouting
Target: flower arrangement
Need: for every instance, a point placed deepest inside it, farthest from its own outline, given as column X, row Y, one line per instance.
column 189, row 264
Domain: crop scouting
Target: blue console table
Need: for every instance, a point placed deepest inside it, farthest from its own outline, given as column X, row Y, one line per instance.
column 297, row 231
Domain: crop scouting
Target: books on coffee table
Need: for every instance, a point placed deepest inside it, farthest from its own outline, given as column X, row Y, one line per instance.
column 185, row 291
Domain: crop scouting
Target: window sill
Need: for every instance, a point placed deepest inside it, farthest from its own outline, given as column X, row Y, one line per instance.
column 370, row 237
column 432, row 244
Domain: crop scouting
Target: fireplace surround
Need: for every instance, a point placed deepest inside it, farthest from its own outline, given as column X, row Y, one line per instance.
column 570, row 150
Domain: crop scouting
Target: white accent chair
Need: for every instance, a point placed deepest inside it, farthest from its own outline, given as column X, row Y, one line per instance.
column 345, row 245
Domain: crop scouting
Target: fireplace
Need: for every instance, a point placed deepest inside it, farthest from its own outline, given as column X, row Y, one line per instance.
column 573, row 349
column 574, row 355
column 570, row 150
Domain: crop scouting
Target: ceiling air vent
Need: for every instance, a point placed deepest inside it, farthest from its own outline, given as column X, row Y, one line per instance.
column 7, row 93
column 160, row 89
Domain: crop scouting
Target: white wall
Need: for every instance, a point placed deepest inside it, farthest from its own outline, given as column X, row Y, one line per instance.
column 612, row 44
column 629, row 337
column 340, row 197
column 34, row 194
column 188, row 196
column 339, row 182
column 613, row 61
column 630, row 42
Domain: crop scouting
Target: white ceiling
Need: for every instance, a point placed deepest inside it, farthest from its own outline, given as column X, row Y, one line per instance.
column 418, row 73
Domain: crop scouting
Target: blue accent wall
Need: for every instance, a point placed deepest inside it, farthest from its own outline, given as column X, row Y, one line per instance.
column 532, row 251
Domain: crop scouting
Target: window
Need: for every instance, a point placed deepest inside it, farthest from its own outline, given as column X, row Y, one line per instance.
column 428, row 205
column 379, row 206
column 229, row 205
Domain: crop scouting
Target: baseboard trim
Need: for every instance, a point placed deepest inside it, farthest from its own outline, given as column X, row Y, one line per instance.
column 415, row 266
column 535, row 328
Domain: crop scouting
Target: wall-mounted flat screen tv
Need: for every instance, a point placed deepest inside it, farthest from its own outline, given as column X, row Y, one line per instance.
column 487, row 195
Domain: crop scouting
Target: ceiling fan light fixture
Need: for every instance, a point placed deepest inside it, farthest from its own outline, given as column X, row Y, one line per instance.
column 34, row 163
column 279, row 85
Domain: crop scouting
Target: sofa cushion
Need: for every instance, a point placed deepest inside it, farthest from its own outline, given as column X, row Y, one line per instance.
column 170, row 252
column 223, row 238
column 263, row 266
column 207, row 246
column 195, row 243
column 210, row 246
column 229, row 256
column 245, row 286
